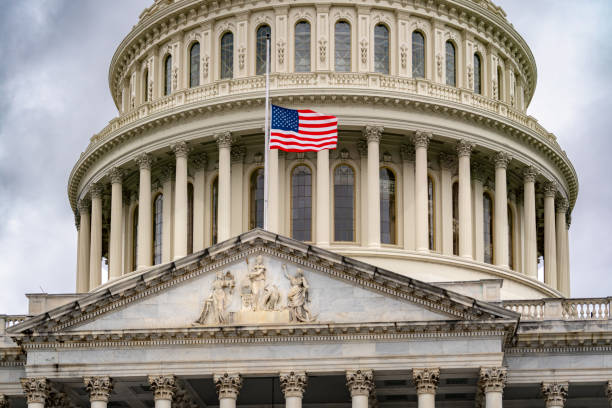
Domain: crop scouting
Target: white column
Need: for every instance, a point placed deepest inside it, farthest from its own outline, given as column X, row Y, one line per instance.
column 360, row 383
column 115, row 256
column 322, row 218
column 501, row 211
column 426, row 381
column 199, row 197
column 563, row 276
column 164, row 388
column 224, row 141
column 228, row 386
column 95, row 249
column 478, row 217
column 84, row 237
column 362, row 148
column 555, row 394
column 293, row 386
column 493, row 380
column 237, row 154
column 181, row 151
column 167, row 181
column 464, row 151
column 99, row 389
column 447, row 164
column 144, row 257
column 531, row 244
column 373, row 135
column 421, row 199
column 36, row 390
column 550, row 242
column 407, row 153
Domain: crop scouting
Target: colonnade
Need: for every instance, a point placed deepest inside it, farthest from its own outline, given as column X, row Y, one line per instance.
column 415, row 209
column 360, row 383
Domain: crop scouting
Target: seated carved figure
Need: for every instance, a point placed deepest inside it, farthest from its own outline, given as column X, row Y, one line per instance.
column 216, row 305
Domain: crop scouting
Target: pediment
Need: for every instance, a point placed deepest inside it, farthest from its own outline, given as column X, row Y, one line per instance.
column 260, row 279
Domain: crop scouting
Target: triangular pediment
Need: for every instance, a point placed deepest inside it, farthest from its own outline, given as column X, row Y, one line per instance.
column 260, row 279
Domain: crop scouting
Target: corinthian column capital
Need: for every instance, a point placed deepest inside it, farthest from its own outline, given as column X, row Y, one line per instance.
column 83, row 206
column 609, row 391
column 493, row 379
column 163, row 386
column 115, row 175
column 464, row 148
column 144, row 161
column 447, row 162
column 224, row 139
column 228, row 385
column 555, row 393
column 293, row 384
column 421, row 139
column 96, row 190
column 562, row 205
column 550, row 189
column 200, row 161
column 360, row 382
column 502, row 159
column 180, row 149
column 99, row 388
column 426, row 380
column 407, row 152
column 373, row 133
column 36, row 389
column 529, row 174
column 4, row 402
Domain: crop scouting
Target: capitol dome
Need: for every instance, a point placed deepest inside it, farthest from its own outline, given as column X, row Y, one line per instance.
column 439, row 173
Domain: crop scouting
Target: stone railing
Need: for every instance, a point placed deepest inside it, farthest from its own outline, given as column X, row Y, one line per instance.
column 340, row 80
column 561, row 309
column 7, row 321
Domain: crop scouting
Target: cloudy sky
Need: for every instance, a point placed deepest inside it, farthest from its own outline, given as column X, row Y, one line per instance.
column 53, row 82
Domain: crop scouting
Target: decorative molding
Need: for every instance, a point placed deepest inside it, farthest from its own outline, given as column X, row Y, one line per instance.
column 421, row 139
column 364, row 51
column 99, row 388
column 464, row 148
column 228, row 385
column 163, row 386
column 322, row 49
column 280, row 51
column 493, row 379
column 293, row 384
column 144, row 161
column 529, row 174
column 180, row 149
column 501, row 160
column 555, row 393
column 241, row 57
column 404, row 55
column 36, row 389
column 373, row 133
column 224, row 140
column 426, row 380
column 360, row 382
column 205, row 62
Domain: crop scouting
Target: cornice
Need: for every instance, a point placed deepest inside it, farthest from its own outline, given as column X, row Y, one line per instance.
column 414, row 102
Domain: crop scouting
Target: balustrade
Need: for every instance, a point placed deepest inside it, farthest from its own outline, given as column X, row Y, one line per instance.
column 570, row 309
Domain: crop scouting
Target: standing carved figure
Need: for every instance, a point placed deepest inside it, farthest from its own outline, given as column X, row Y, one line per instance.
column 216, row 304
column 257, row 276
column 297, row 298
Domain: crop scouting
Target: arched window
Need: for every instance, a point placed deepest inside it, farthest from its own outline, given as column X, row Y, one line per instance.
column 510, row 238
column 194, row 65
column 455, row 218
column 145, row 85
column 189, row 218
column 168, row 75
column 263, row 32
column 302, row 47
column 214, row 214
column 342, row 47
column 301, row 203
column 487, row 217
column 387, row 206
column 418, row 55
column 135, row 238
column 477, row 74
column 227, row 55
column 344, row 203
column 431, row 212
column 158, row 219
column 256, row 199
column 451, row 72
column 500, row 83
column 381, row 49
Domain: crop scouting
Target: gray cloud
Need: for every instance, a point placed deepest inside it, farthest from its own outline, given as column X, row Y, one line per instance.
column 53, row 79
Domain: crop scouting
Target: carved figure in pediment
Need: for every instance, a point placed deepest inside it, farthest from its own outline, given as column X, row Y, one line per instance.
column 215, row 307
column 297, row 298
column 271, row 298
column 257, row 278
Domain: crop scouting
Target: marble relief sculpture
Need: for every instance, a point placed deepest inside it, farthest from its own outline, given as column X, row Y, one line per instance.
column 215, row 306
column 257, row 278
column 297, row 298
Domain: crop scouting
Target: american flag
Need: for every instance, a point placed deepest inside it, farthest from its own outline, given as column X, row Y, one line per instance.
column 302, row 130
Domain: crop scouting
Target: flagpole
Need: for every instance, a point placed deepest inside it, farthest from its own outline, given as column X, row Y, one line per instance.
column 267, row 134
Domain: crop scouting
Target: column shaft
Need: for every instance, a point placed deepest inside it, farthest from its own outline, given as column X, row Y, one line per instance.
column 224, row 141
column 492, row 381
column 199, row 191
column 238, row 202
column 478, row 217
column 446, row 193
column 95, row 253
column 550, row 242
column 531, row 245
column 180, row 201
column 85, row 236
column 426, row 381
column 323, row 230
column 373, row 135
column 408, row 177
column 115, row 257
column 426, row 400
column 464, row 150
column 421, row 143
column 167, row 181
column 493, row 399
column 144, row 240
column 501, row 211
column 563, row 277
